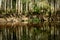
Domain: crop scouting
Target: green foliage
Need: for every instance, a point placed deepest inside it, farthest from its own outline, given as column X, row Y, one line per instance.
column 2, row 12
column 35, row 20
column 36, row 8
column 43, row 7
column 24, row 1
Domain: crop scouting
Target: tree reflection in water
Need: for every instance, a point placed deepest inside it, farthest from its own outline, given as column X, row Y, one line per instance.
column 47, row 31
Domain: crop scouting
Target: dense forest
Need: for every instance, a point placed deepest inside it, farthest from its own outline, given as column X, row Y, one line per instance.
column 29, row 19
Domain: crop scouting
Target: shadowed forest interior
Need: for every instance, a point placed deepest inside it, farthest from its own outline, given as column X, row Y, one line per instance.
column 29, row 19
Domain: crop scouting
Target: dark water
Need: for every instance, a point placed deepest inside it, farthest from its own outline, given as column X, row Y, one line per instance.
column 45, row 31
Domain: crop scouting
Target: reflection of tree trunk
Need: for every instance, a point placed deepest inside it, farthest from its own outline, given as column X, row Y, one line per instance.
column 0, row 35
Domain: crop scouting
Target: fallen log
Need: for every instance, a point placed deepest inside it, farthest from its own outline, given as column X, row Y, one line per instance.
column 12, row 22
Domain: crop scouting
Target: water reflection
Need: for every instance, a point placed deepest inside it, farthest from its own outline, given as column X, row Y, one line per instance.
column 44, row 31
